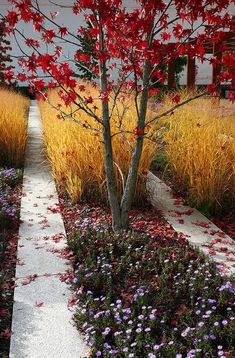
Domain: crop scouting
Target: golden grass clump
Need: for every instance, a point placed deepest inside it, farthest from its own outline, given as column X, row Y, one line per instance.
column 13, row 128
column 77, row 153
column 200, row 139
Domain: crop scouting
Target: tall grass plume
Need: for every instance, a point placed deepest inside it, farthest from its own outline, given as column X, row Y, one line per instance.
column 200, row 139
column 77, row 153
column 13, row 128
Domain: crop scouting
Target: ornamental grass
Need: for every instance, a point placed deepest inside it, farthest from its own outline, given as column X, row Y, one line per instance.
column 76, row 153
column 200, row 145
column 13, row 128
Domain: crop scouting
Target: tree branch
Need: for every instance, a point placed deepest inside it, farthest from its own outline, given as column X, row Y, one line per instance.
column 169, row 111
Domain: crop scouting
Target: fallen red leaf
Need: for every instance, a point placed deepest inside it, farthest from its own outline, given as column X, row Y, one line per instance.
column 39, row 304
column 4, row 312
column 6, row 333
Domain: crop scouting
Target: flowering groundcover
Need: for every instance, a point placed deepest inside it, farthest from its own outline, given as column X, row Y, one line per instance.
column 141, row 295
column 10, row 180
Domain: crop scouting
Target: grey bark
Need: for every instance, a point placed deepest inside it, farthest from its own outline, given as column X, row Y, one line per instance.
column 135, row 160
column 109, row 168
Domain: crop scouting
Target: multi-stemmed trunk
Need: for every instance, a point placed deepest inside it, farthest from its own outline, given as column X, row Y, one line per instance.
column 120, row 210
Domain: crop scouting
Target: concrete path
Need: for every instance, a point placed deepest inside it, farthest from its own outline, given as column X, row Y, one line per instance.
column 42, row 325
column 196, row 227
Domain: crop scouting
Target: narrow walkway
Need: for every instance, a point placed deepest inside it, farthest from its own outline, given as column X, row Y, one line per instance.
column 196, row 227
column 42, row 325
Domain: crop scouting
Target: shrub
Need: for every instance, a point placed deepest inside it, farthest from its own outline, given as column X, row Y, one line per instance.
column 13, row 128
column 77, row 154
column 137, row 296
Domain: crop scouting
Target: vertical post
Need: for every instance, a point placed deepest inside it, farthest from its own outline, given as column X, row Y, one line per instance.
column 171, row 75
column 217, row 69
column 191, row 72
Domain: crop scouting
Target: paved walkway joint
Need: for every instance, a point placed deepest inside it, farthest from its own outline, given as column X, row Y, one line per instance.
column 196, row 227
column 42, row 325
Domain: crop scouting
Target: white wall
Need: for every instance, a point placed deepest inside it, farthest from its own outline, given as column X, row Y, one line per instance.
column 68, row 19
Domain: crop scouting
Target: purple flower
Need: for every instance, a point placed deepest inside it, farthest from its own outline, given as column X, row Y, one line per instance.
column 216, row 324
column 158, row 346
column 138, row 330
column 98, row 353
column 211, row 300
column 228, row 286
column 117, row 333
column 224, row 322
column 113, row 351
column 106, row 345
column 106, row 331
column 212, row 337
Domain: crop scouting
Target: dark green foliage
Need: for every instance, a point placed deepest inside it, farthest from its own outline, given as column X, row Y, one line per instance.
column 87, row 48
column 139, row 296
column 180, row 63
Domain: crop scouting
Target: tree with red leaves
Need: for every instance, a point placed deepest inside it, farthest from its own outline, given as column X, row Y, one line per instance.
column 138, row 43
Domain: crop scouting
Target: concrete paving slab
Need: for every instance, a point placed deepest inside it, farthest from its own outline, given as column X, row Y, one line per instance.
column 199, row 230
column 42, row 324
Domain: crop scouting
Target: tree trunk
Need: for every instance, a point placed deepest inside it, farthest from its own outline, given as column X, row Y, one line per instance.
column 110, row 177
column 120, row 213
column 135, row 159
column 109, row 169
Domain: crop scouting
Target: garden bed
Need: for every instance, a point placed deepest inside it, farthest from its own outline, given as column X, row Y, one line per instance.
column 10, row 194
column 146, row 293
column 225, row 221
column 196, row 155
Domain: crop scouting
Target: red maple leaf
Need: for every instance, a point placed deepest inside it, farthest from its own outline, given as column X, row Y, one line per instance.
column 63, row 31
column 39, row 304
column 212, row 252
column 176, row 99
column 4, row 312
column 138, row 132
column 6, row 333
